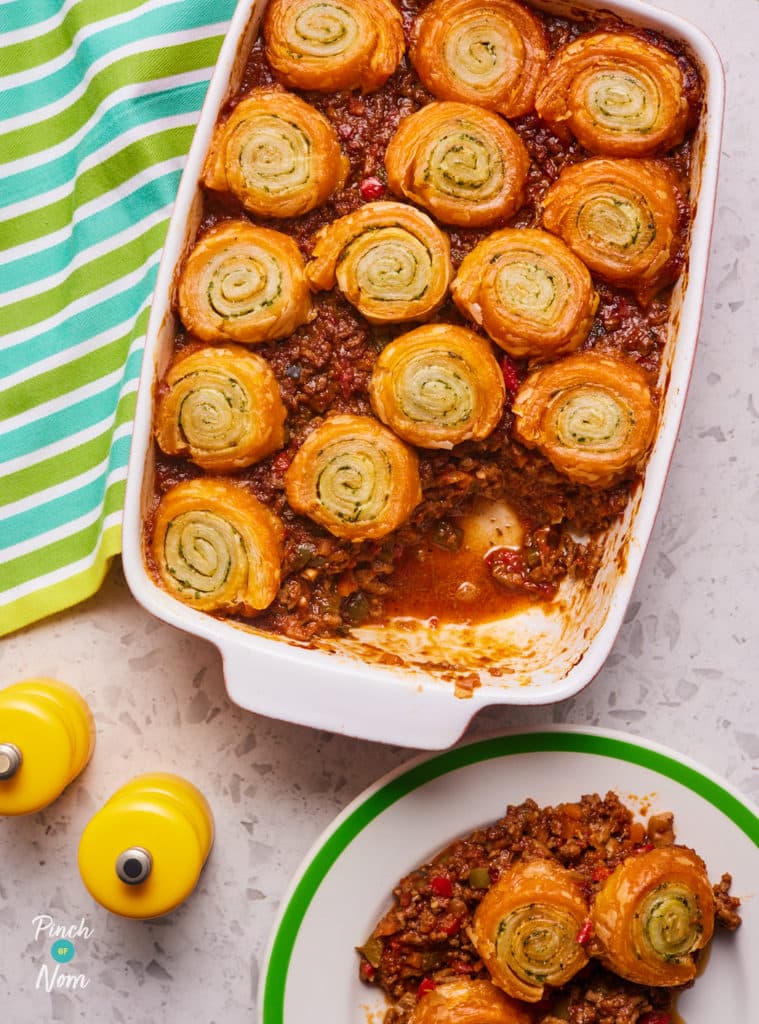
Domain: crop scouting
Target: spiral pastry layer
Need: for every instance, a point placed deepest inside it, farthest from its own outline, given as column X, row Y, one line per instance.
column 653, row 914
column 525, row 929
column 243, row 283
column 490, row 54
column 355, row 478
column 437, row 386
column 529, row 291
column 277, row 154
column 328, row 45
column 468, row 1001
column 618, row 95
column 216, row 547
column 619, row 216
column 591, row 415
column 388, row 259
column 220, row 407
column 464, row 164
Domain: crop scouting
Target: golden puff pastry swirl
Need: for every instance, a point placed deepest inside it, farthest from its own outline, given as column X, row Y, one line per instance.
column 655, row 911
column 355, row 478
column 243, row 283
column 390, row 261
column 437, row 386
column 525, row 929
column 491, row 54
column 329, row 45
column 529, row 291
column 221, row 407
column 217, row 547
column 464, row 164
column 468, row 1001
column 618, row 94
column 591, row 415
column 277, row 154
column 619, row 216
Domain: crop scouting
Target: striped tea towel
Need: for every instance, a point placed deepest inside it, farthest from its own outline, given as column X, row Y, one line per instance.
column 98, row 101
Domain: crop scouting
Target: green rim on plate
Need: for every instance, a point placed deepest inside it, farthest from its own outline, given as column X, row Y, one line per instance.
column 451, row 760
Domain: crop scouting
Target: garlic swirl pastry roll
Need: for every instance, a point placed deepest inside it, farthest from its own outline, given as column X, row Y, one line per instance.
column 464, row 164
column 591, row 415
column 654, row 912
column 490, row 54
column 355, row 478
column 328, row 45
column 216, row 547
column 525, row 929
column 389, row 260
column 619, row 216
column 468, row 1001
column 529, row 291
column 242, row 283
column 277, row 154
column 618, row 94
column 437, row 386
column 221, row 407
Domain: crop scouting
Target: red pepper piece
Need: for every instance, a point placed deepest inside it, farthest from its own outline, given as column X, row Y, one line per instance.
column 510, row 375
column 367, row 971
column 452, row 926
column 583, row 936
column 441, row 885
column 280, row 463
column 601, row 873
column 655, row 1017
column 426, row 986
column 371, row 188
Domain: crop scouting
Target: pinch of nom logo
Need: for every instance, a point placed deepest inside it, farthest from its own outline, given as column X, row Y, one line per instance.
column 55, row 976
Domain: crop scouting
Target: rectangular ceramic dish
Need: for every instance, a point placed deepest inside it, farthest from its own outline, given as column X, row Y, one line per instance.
column 398, row 683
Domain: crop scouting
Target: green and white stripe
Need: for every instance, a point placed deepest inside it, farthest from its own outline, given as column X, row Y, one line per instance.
column 98, row 103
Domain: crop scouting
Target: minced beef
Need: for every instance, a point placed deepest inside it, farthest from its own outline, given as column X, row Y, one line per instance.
column 425, row 934
column 328, row 584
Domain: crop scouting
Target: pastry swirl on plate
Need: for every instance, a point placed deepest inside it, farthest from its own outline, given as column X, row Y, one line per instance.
column 591, row 415
column 619, row 216
column 653, row 914
column 243, row 283
column 216, row 547
column 437, row 386
column 525, row 929
column 464, row 164
column 220, row 407
column 277, row 154
column 618, row 94
column 355, row 478
column 490, row 54
column 389, row 260
column 468, row 1001
column 328, row 45
column 529, row 291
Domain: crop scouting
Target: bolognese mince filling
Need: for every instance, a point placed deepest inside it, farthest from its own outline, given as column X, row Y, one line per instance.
column 323, row 349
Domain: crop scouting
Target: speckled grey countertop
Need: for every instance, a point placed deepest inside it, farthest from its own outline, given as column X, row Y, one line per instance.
column 683, row 672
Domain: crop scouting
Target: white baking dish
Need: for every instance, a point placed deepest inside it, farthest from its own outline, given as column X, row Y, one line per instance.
column 397, row 683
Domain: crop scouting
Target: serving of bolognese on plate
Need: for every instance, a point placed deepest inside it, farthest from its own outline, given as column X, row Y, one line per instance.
column 557, row 875
column 419, row 351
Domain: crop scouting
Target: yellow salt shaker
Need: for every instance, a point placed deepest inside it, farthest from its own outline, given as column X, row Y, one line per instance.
column 142, row 853
column 47, row 735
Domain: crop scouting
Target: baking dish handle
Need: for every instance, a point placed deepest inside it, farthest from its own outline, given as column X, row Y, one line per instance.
column 392, row 708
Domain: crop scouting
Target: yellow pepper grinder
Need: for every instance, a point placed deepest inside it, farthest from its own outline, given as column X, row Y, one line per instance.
column 142, row 853
column 47, row 735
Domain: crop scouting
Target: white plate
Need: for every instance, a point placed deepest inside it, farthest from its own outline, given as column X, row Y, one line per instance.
column 311, row 970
